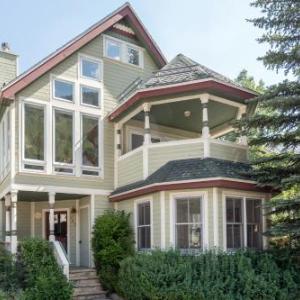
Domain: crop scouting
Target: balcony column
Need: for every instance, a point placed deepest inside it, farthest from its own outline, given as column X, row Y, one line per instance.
column 13, row 238
column 51, row 216
column 147, row 133
column 242, row 140
column 7, row 218
column 118, row 141
column 205, row 127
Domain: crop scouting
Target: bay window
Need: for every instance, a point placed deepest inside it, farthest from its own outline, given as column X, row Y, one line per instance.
column 144, row 225
column 33, row 136
column 243, row 223
column 63, row 141
column 90, row 145
column 188, row 223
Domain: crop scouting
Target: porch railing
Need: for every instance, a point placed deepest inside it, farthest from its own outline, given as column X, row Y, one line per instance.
column 61, row 257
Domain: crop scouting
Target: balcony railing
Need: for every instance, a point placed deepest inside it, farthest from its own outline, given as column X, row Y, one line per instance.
column 140, row 163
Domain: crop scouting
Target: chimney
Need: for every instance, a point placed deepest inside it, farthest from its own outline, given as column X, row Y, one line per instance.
column 8, row 64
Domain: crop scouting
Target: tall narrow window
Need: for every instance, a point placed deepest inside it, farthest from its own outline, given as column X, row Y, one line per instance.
column 90, row 144
column 254, row 231
column 34, row 136
column 63, row 140
column 234, row 224
column 144, row 226
column 188, row 223
column 113, row 49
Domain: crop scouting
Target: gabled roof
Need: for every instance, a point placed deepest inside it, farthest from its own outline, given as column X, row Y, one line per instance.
column 125, row 11
column 181, row 74
column 209, row 171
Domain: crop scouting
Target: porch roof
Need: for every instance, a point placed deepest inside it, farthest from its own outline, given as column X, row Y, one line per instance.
column 180, row 75
column 191, row 170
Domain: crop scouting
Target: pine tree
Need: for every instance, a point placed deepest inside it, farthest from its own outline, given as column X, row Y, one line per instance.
column 249, row 82
column 276, row 123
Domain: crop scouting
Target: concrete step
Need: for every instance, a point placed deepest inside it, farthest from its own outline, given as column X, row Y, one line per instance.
column 91, row 297
column 83, row 275
column 89, row 290
column 86, row 282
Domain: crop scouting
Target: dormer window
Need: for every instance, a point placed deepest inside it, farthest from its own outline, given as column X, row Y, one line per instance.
column 123, row 51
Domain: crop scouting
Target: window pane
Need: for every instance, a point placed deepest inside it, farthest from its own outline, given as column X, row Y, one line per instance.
column 253, row 210
column 195, row 236
column 182, row 210
column 90, row 69
column 90, row 141
column 144, row 214
column 133, row 56
column 113, row 49
column 63, row 137
column 254, row 231
column 63, row 90
column 182, row 236
column 144, row 237
column 195, row 210
column 234, row 236
column 90, row 95
column 34, row 132
column 137, row 140
column 229, row 210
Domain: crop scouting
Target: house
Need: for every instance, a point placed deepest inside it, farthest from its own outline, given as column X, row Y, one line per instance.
column 106, row 122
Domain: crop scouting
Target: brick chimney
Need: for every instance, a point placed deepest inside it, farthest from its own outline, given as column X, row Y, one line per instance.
column 8, row 64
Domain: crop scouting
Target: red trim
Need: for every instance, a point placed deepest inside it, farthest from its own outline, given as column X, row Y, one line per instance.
column 126, row 11
column 222, row 183
column 203, row 85
column 123, row 33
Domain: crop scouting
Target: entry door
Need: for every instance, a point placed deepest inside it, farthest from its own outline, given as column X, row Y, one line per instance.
column 84, row 237
column 60, row 227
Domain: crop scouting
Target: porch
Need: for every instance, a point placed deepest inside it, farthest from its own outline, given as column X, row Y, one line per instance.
column 58, row 217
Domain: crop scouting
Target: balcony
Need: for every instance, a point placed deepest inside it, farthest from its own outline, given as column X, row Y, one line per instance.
column 141, row 162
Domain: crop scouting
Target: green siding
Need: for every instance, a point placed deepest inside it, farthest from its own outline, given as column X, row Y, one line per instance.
column 8, row 67
column 23, row 220
column 2, row 221
column 102, row 204
column 229, row 152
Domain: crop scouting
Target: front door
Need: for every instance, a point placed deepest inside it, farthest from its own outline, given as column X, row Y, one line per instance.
column 60, row 227
column 84, row 237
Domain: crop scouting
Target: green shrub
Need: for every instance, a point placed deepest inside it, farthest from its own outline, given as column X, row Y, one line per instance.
column 43, row 277
column 112, row 242
column 171, row 276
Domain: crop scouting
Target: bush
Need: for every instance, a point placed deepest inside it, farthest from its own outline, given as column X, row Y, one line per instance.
column 43, row 277
column 112, row 242
column 244, row 275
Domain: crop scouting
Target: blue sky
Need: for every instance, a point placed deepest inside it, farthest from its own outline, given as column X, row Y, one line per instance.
column 212, row 32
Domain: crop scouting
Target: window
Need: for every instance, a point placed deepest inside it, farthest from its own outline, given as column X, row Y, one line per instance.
column 123, row 51
column 63, row 141
column 144, row 226
column 90, row 96
column 113, row 49
column 63, row 90
column 137, row 140
column 240, row 231
column 188, row 223
column 90, row 145
column 234, row 223
column 90, row 69
column 254, row 230
column 133, row 56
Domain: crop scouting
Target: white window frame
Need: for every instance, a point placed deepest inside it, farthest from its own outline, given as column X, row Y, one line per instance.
column 26, row 161
column 58, row 78
column 94, row 88
column 5, row 137
column 60, row 164
column 124, row 51
column 244, row 197
column 82, row 57
column 136, row 203
column 204, row 222
column 82, row 166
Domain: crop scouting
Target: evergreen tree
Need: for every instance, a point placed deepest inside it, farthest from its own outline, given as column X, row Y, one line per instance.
column 248, row 82
column 276, row 123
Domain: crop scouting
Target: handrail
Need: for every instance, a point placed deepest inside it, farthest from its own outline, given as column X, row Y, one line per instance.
column 61, row 257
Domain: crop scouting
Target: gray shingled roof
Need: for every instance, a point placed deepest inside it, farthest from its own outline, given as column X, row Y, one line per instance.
column 191, row 169
column 179, row 69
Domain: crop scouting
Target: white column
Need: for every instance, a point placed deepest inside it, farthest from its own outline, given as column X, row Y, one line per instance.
column 118, row 141
column 147, row 133
column 51, row 216
column 7, row 218
column 13, row 238
column 205, row 127
column 243, row 138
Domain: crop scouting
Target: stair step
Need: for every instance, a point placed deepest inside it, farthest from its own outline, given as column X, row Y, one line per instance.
column 79, row 270
column 88, row 290
column 91, row 297
column 83, row 275
column 86, row 282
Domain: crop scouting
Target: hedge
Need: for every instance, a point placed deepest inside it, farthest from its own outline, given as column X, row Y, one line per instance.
column 244, row 275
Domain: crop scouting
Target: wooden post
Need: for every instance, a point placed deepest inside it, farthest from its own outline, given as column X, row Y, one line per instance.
column 7, row 217
column 51, row 216
column 147, row 133
column 205, row 128
column 13, row 238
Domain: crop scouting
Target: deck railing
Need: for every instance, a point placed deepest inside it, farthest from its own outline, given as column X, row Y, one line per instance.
column 61, row 257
